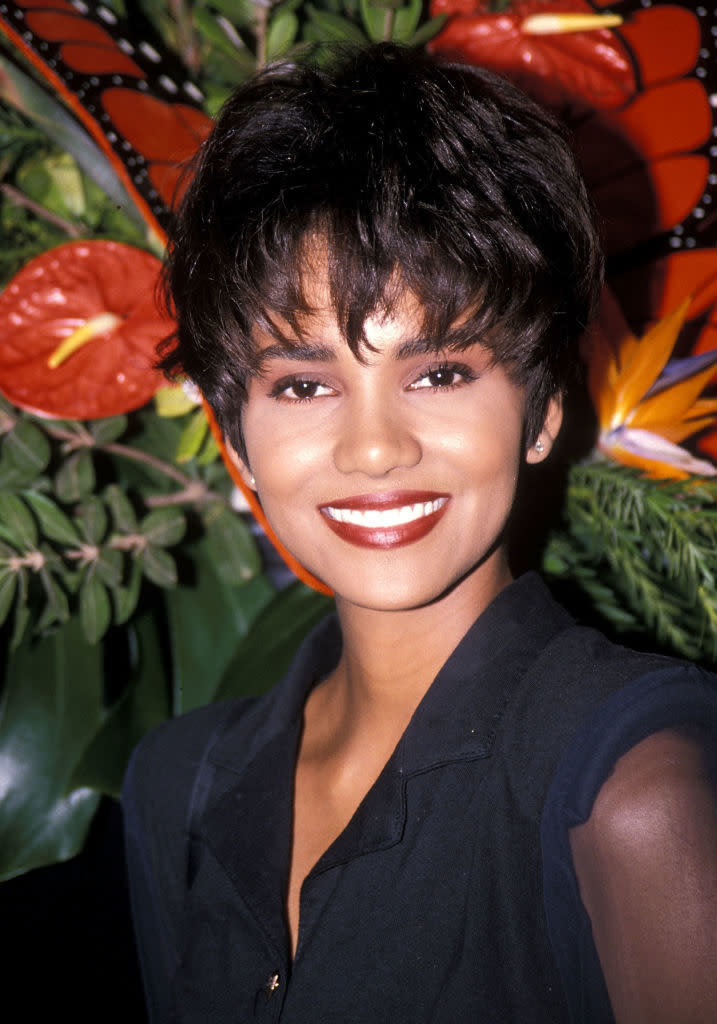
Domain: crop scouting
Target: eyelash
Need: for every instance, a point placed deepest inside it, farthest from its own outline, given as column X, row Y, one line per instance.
column 279, row 389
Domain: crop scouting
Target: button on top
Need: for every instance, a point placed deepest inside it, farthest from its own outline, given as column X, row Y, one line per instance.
column 272, row 984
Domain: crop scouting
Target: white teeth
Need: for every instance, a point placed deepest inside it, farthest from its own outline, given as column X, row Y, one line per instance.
column 375, row 518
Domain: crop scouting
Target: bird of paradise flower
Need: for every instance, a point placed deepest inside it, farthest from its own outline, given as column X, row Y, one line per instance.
column 646, row 403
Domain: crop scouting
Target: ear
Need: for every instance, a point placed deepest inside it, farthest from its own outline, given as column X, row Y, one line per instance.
column 243, row 467
column 542, row 446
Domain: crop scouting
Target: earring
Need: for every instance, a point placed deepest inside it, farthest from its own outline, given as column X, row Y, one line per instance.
column 539, row 447
column 252, row 481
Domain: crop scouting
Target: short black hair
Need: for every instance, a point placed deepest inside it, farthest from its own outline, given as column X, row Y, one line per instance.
column 412, row 173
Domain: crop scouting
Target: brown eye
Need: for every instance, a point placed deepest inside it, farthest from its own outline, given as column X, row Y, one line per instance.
column 303, row 388
column 443, row 377
column 299, row 389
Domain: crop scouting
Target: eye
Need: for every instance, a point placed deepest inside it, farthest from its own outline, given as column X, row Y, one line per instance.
column 299, row 389
column 443, row 377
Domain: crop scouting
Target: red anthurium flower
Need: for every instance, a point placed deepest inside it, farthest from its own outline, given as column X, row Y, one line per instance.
column 558, row 51
column 79, row 329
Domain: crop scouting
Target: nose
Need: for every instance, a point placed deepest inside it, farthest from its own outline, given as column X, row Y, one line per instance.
column 375, row 439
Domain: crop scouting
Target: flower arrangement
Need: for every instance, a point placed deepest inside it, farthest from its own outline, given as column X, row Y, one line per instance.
column 136, row 581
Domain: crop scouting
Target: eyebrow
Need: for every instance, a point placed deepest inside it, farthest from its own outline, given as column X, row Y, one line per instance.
column 307, row 353
column 325, row 353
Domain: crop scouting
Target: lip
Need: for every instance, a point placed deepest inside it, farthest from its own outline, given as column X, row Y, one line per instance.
column 415, row 515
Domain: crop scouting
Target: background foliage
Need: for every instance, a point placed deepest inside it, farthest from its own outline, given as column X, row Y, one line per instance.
column 131, row 587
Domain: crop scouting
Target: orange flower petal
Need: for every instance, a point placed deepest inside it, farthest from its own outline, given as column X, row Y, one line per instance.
column 639, row 373
column 671, row 406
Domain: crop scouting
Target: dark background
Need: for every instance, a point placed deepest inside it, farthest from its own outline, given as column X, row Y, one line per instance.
column 67, row 936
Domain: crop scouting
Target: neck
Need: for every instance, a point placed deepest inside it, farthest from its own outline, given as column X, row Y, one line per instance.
column 390, row 658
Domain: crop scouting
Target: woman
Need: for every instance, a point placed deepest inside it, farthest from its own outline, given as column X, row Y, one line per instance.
column 459, row 805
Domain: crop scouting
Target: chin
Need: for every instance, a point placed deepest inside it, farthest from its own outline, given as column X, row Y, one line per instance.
column 387, row 593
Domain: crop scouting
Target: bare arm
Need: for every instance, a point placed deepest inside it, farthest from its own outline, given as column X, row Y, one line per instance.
column 646, row 862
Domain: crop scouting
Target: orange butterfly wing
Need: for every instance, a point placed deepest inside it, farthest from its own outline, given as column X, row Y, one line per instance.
column 146, row 119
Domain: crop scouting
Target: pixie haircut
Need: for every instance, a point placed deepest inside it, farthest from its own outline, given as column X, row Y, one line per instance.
column 404, row 172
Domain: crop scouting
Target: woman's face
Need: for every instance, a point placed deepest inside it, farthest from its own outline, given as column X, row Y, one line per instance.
column 391, row 480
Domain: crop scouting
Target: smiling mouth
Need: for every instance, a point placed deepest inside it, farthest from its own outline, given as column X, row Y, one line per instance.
column 385, row 520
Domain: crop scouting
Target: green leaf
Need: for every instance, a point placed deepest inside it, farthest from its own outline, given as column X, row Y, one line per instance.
column 17, row 524
column 334, row 28
column 266, row 652
column 95, row 609
column 27, row 448
column 283, row 29
column 123, row 514
column 288, row 5
column 54, row 524
column 192, row 436
column 158, row 566
column 241, row 12
column 8, row 586
column 108, row 430
column 234, row 551
column 144, row 704
column 108, row 566
column 163, row 526
column 91, row 517
column 207, row 619
column 12, row 478
column 75, row 477
column 406, row 21
column 377, row 20
column 22, row 620
column 209, row 452
column 222, row 35
column 428, row 30
column 126, row 597
column 51, row 708
column 58, row 609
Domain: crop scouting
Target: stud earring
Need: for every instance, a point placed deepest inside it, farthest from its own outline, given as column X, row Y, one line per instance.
column 539, row 447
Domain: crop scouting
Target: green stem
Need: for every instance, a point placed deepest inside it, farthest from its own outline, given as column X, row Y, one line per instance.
column 20, row 199
column 187, row 40
column 137, row 455
column 388, row 20
column 261, row 23
column 193, row 491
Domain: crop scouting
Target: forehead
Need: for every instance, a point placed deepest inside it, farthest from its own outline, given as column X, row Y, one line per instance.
column 315, row 325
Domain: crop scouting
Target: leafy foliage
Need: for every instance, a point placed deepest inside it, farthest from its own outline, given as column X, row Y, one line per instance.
column 644, row 553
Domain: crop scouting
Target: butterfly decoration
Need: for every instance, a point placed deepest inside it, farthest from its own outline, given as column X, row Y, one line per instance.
column 636, row 81
column 134, row 101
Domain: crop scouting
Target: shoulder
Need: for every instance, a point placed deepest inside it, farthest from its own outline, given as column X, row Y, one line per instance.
column 163, row 766
column 646, row 864
column 658, row 799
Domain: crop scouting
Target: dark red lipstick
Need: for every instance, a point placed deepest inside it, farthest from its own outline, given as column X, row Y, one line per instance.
column 385, row 520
